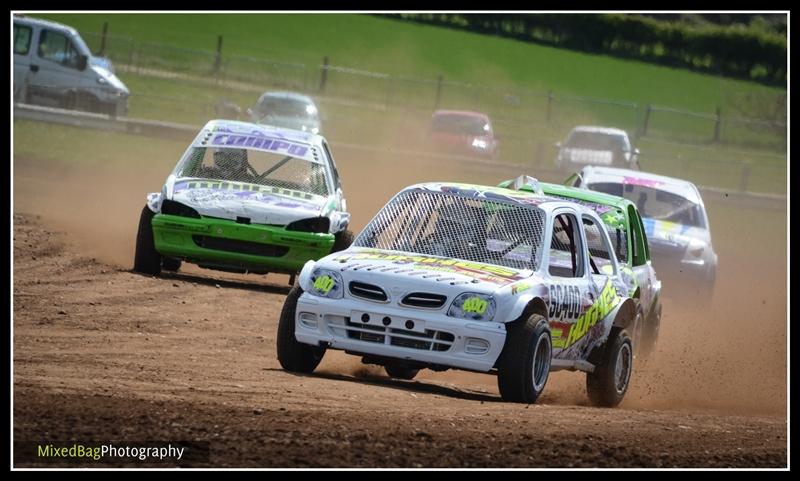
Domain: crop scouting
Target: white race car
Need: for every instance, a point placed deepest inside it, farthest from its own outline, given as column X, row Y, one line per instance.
column 476, row 278
column 675, row 221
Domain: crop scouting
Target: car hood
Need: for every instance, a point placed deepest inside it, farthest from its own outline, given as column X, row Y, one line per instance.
column 297, row 123
column 398, row 273
column 110, row 78
column 258, row 203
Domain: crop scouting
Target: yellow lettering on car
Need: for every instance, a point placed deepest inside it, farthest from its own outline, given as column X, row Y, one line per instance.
column 324, row 284
column 606, row 302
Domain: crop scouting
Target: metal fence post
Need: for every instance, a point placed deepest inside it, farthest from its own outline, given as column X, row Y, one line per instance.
column 717, row 125
column 438, row 92
column 218, row 56
column 745, row 180
column 102, row 50
column 549, row 111
column 323, row 77
column 646, row 122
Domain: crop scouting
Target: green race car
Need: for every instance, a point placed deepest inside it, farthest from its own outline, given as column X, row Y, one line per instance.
column 245, row 198
column 627, row 232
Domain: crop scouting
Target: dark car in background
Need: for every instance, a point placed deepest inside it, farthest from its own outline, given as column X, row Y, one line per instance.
column 462, row 133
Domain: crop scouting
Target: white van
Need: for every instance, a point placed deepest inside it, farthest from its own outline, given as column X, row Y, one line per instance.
column 54, row 67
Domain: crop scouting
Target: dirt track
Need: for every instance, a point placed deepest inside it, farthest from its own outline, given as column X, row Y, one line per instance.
column 105, row 354
column 102, row 354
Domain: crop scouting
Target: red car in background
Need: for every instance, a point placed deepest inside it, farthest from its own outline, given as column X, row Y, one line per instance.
column 463, row 132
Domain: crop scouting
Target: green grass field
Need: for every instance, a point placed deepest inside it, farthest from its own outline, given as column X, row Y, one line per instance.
column 401, row 48
column 392, row 112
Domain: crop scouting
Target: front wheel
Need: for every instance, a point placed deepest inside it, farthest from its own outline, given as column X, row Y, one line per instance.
column 342, row 241
column 146, row 260
column 295, row 356
column 607, row 385
column 400, row 372
column 525, row 361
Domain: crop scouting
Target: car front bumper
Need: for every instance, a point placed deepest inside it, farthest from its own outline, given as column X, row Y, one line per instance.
column 433, row 338
column 225, row 244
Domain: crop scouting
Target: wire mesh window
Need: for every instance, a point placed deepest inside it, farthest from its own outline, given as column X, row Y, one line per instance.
column 566, row 253
column 253, row 166
column 599, row 250
column 447, row 225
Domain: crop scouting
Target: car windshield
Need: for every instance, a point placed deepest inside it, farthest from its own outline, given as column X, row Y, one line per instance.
column 285, row 107
column 254, row 167
column 454, row 226
column 655, row 203
column 597, row 141
column 460, row 124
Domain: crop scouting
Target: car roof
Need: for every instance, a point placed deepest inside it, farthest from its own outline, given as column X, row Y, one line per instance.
column 288, row 96
column 312, row 142
column 599, row 130
column 462, row 113
column 680, row 187
column 43, row 23
column 491, row 193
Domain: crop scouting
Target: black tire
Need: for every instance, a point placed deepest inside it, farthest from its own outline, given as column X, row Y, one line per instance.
column 524, row 364
column 295, row 356
column 343, row 240
column 171, row 264
column 605, row 386
column 400, row 372
column 147, row 260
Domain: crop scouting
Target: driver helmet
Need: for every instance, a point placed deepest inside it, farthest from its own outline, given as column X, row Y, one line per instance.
column 231, row 161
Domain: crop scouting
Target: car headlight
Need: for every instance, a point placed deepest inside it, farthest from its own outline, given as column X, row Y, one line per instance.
column 314, row 130
column 326, row 283
column 696, row 247
column 474, row 306
column 479, row 144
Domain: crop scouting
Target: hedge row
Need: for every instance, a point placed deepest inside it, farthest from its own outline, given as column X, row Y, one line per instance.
column 733, row 51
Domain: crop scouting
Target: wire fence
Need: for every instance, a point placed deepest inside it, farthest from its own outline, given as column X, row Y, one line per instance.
column 527, row 121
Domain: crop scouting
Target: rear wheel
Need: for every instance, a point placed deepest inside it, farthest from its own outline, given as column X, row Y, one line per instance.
column 171, row 264
column 295, row 356
column 607, row 385
column 342, row 241
column 525, row 361
column 147, row 260
column 400, row 372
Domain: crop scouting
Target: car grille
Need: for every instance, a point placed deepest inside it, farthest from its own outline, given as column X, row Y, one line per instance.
column 425, row 300
column 430, row 340
column 368, row 291
column 239, row 246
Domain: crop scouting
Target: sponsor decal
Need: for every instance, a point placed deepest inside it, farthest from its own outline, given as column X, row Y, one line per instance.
column 520, row 287
column 642, row 182
column 258, row 142
column 241, row 190
column 605, row 303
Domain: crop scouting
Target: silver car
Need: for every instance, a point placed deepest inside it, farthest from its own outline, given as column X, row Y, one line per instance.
column 287, row 109
column 675, row 222
column 603, row 146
